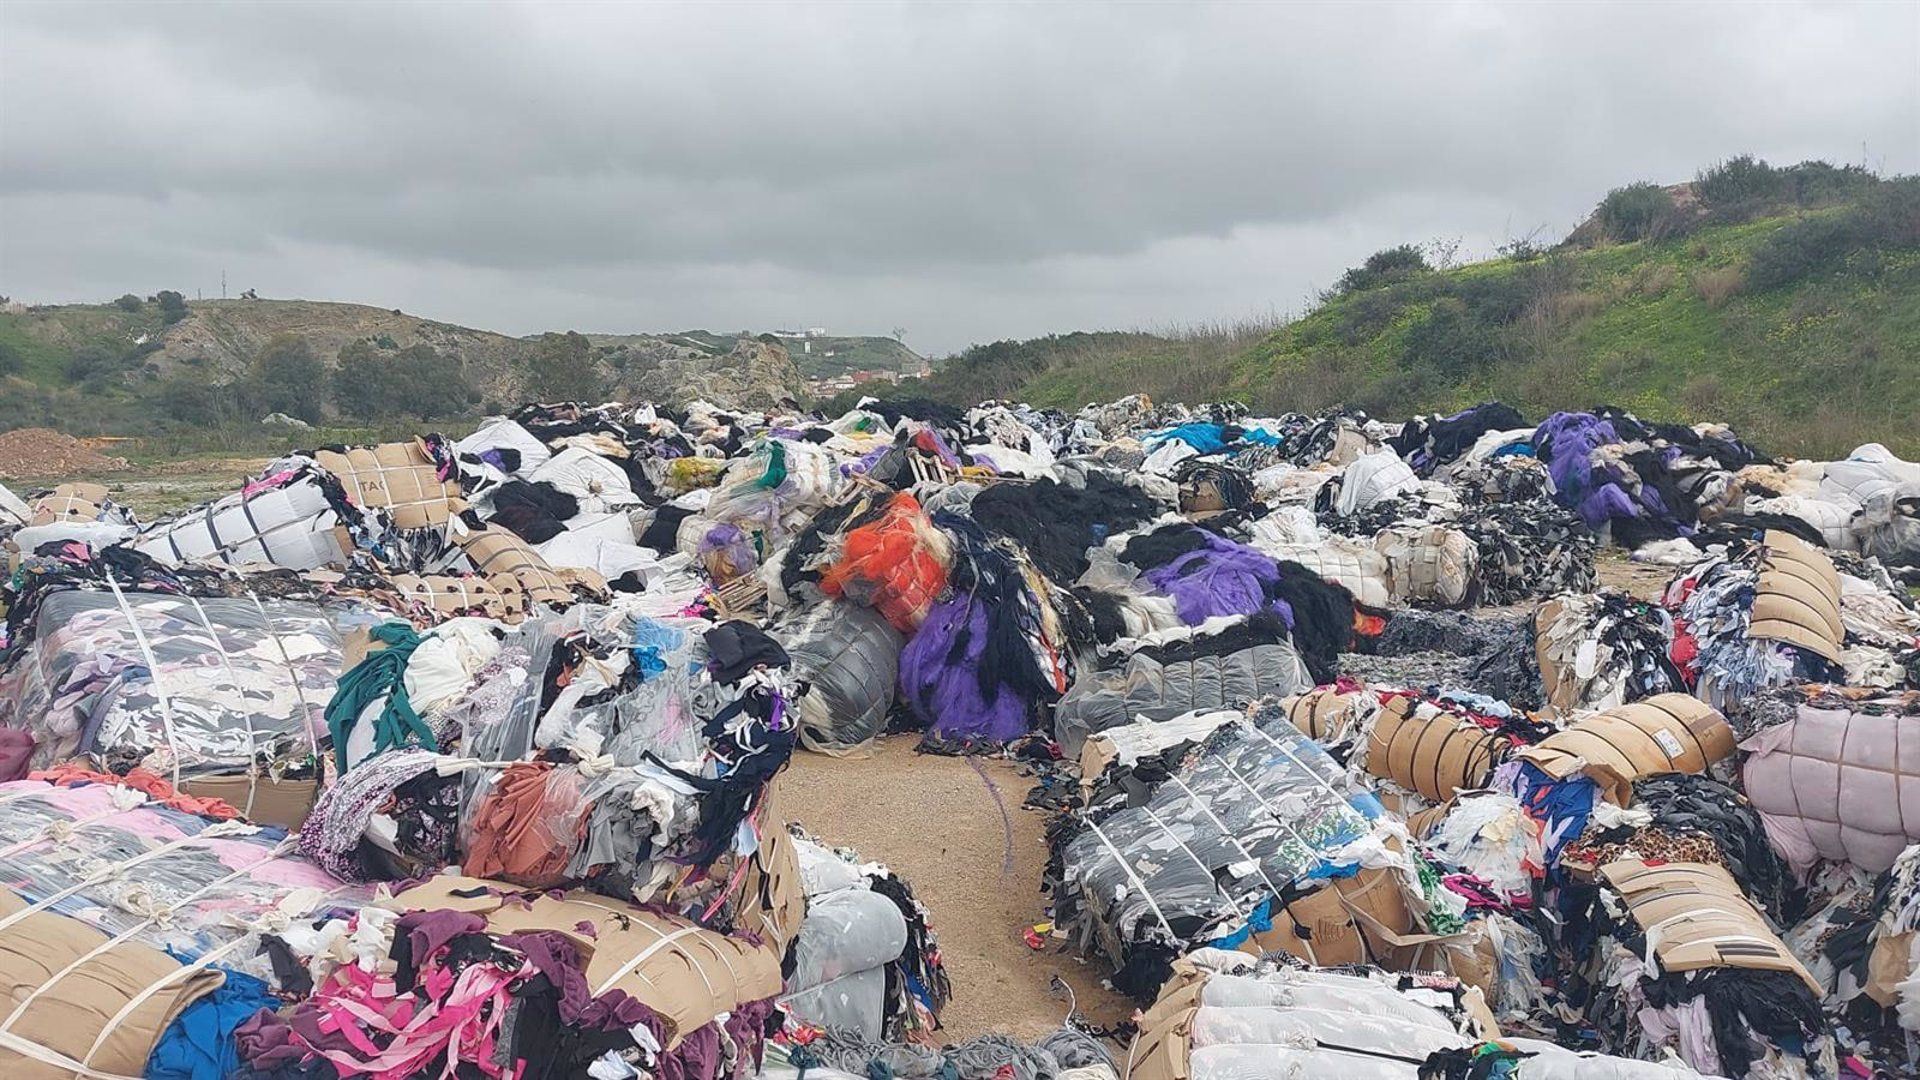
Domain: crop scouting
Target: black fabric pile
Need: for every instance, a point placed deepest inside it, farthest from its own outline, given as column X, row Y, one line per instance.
column 1056, row 523
column 1483, row 654
column 1428, row 443
column 535, row 512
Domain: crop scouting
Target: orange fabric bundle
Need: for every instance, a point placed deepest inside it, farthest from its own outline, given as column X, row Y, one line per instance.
column 896, row 564
column 67, row 774
column 526, row 828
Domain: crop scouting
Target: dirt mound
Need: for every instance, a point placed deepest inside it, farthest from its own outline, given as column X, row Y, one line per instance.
column 43, row 452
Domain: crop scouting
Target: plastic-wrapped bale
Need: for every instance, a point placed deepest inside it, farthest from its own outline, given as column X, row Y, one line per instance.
column 1228, row 668
column 1201, row 860
column 1430, row 564
column 849, row 656
column 1839, row 777
column 1666, row 733
column 597, row 484
column 849, row 935
column 892, row 559
column 865, row 959
column 126, row 912
column 1360, row 568
column 773, row 488
column 1763, row 615
column 1682, row 949
column 1220, row 1019
column 283, row 520
column 1598, row 650
column 1209, row 576
column 1372, row 479
column 1832, row 519
column 204, row 691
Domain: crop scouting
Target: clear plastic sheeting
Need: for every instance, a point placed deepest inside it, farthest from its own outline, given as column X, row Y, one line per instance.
column 1145, row 688
column 839, row 958
column 188, row 686
column 1256, row 812
column 136, row 868
column 850, row 658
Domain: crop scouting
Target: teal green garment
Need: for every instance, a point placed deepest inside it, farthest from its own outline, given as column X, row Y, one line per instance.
column 776, row 473
column 382, row 673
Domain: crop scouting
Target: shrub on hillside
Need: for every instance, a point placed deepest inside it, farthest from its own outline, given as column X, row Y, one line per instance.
column 1887, row 218
column 1716, row 287
column 95, row 363
column 563, row 368
column 197, row 402
column 1737, row 181
column 1448, row 341
column 129, row 303
column 1813, row 183
column 1384, row 267
column 1635, row 212
column 173, row 306
column 10, row 359
column 1799, row 250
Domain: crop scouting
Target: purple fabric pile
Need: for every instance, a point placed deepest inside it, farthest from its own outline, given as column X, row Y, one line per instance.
column 1218, row 578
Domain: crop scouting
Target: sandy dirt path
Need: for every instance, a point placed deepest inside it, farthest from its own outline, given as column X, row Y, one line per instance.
column 936, row 823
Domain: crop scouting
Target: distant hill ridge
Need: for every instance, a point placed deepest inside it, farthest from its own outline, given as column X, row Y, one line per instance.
column 1785, row 301
column 107, row 367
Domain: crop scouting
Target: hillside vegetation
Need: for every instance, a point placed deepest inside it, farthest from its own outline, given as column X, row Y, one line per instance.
column 1783, row 301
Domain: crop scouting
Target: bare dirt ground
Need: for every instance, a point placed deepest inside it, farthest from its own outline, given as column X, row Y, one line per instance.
column 936, row 823
column 28, row 452
column 159, row 488
column 1644, row 580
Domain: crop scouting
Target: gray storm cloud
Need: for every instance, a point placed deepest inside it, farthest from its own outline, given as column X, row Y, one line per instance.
column 967, row 172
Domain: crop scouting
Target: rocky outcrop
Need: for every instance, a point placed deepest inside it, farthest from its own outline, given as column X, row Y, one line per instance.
column 757, row 373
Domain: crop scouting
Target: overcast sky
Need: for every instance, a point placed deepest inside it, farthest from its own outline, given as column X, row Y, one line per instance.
column 967, row 172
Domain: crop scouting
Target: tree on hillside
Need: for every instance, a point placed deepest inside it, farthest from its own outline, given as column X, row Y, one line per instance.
column 418, row 381
column 173, row 306
column 563, row 368
column 197, row 402
column 287, row 377
column 129, row 303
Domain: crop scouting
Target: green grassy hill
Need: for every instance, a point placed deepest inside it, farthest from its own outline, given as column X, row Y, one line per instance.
column 1790, row 309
